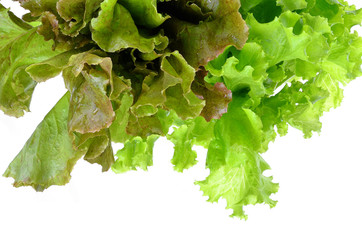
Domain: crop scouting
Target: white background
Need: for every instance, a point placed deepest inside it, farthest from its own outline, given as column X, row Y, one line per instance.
column 319, row 198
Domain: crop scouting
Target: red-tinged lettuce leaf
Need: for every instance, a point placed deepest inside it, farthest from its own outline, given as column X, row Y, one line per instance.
column 37, row 7
column 144, row 126
column 51, row 29
column 199, row 10
column 136, row 153
column 90, row 108
column 105, row 159
column 76, row 14
column 217, row 96
column 48, row 156
column 208, row 38
column 20, row 46
column 114, row 29
column 97, row 147
column 119, row 86
column 88, row 76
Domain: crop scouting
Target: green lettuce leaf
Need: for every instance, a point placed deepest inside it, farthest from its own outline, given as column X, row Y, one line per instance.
column 137, row 152
column 192, row 132
column 20, row 46
column 114, row 29
column 292, row 4
column 170, row 89
column 48, row 156
column 118, row 129
column 144, row 12
column 135, row 68
column 236, row 168
column 51, row 67
column 278, row 42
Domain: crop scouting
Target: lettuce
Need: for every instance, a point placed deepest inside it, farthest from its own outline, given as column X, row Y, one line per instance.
column 227, row 75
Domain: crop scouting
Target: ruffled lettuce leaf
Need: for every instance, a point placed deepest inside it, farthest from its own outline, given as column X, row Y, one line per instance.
column 52, row 29
column 136, row 153
column 159, row 90
column 144, row 12
column 217, row 96
column 135, row 68
column 90, row 108
column 208, row 38
column 97, row 147
column 236, row 168
column 88, row 76
column 292, row 5
column 114, row 29
column 290, row 71
column 37, row 7
column 192, row 132
column 20, row 46
column 76, row 14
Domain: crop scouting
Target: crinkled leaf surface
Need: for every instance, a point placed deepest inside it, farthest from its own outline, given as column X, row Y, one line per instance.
column 37, row 7
column 76, row 14
column 193, row 132
column 137, row 152
column 144, row 12
column 170, row 89
column 90, row 108
column 236, row 168
column 208, row 38
column 19, row 47
column 217, row 96
column 135, row 68
column 115, row 29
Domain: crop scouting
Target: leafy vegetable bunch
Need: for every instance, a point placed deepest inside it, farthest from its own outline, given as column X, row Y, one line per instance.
column 135, row 68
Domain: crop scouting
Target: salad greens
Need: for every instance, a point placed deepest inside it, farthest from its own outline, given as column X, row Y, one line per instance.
column 228, row 75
